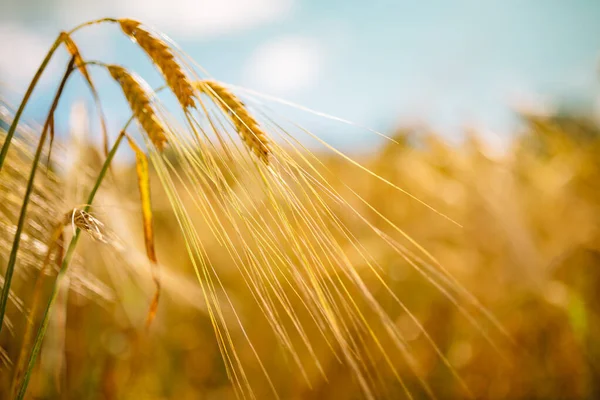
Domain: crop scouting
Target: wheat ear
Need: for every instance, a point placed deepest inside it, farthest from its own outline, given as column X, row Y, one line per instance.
column 163, row 58
column 139, row 101
column 245, row 124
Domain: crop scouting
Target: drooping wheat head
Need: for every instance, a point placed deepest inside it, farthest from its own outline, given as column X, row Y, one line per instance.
column 162, row 56
column 245, row 124
column 139, row 101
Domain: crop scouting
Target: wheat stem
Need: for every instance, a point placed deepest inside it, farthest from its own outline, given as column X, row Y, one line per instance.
column 34, row 81
column 94, row 22
column 64, row 267
column 21, row 222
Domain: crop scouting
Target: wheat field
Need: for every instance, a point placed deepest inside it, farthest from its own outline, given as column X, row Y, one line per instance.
column 227, row 259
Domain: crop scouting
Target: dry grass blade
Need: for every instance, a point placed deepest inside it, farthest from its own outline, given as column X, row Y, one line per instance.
column 245, row 124
column 141, row 166
column 139, row 101
column 80, row 63
column 74, row 51
column 161, row 55
column 83, row 220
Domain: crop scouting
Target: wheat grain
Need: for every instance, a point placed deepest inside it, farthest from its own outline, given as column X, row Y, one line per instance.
column 244, row 123
column 139, row 101
column 164, row 59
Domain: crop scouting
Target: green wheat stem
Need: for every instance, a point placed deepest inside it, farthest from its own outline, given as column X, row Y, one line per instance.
column 63, row 270
column 10, row 267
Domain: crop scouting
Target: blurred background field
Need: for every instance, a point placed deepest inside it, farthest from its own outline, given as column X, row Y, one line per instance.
column 529, row 251
column 494, row 112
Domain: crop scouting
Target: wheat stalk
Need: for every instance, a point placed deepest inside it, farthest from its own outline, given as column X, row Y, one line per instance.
column 244, row 123
column 161, row 55
column 140, row 104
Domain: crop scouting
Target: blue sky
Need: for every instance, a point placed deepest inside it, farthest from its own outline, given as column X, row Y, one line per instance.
column 379, row 63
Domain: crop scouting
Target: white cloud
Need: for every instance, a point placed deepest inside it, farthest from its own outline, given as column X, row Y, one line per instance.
column 21, row 52
column 22, row 48
column 284, row 65
column 188, row 18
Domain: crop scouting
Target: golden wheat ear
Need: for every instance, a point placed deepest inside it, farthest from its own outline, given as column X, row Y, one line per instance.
column 140, row 104
column 247, row 127
column 161, row 55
